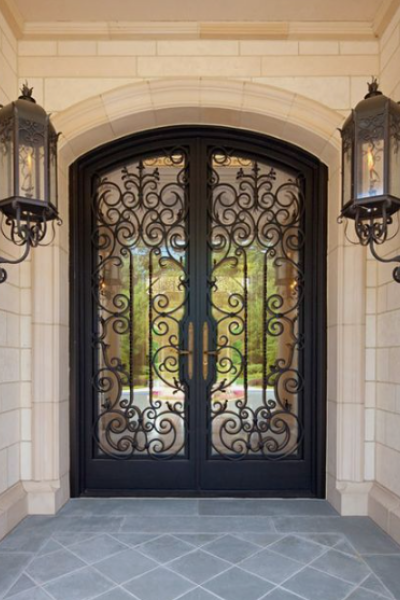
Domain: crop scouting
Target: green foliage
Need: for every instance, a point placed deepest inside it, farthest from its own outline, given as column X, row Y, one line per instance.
column 233, row 279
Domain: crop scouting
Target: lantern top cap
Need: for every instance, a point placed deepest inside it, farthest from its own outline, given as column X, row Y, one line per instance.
column 373, row 89
column 26, row 93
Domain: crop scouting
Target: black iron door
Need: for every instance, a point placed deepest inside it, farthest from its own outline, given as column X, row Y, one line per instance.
column 198, row 316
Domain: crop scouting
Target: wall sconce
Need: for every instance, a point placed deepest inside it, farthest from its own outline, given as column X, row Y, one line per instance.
column 371, row 170
column 28, row 174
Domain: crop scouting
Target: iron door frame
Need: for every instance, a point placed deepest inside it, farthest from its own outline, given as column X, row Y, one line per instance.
column 112, row 154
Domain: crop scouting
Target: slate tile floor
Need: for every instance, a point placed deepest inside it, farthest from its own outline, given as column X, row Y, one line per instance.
column 152, row 549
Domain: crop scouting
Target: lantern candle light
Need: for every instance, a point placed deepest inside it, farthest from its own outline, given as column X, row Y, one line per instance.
column 28, row 174
column 371, row 169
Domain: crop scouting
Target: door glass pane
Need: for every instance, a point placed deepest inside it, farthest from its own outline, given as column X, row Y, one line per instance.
column 256, row 291
column 140, row 288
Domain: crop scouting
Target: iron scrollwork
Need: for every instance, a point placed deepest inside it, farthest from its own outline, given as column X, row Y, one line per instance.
column 140, row 214
column 255, row 227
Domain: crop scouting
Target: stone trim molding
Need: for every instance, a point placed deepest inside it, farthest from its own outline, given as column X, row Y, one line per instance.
column 46, row 497
column 192, row 30
column 13, row 508
column 155, row 103
column 384, row 509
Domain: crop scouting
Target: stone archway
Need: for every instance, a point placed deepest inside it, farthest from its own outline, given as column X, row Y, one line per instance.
column 244, row 105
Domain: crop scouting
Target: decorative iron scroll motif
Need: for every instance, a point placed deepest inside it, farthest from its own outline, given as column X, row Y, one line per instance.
column 140, row 287
column 256, row 285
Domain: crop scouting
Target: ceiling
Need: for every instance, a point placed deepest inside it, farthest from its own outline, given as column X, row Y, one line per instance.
column 193, row 10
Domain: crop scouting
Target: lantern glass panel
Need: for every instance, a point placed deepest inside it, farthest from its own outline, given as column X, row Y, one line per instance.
column 53, row 192
column 370, row 156
column 394, row 155
column 370, row 169
column 347, row 164
column 6, row 159
column 31, row 160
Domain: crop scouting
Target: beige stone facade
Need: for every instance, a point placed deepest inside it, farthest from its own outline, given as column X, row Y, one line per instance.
column 299, row 90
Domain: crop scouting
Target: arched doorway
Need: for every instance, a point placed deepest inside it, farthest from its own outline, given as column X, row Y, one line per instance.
column 199, row 315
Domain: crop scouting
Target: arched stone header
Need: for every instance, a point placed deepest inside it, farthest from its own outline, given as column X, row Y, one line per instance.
column 149, row 104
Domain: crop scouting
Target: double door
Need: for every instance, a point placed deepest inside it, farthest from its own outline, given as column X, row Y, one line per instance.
column 199, row 316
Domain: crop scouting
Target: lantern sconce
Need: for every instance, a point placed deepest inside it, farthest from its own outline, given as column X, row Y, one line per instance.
column 371, row 170
column 28, row 175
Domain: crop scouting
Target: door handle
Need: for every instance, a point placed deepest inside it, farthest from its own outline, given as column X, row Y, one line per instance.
column 190, row 350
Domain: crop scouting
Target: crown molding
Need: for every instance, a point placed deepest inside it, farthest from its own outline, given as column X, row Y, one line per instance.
column 194, row 30
column 110, row 30
column 384, row 15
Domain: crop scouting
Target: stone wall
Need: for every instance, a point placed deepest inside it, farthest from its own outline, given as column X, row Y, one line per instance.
column 15, row 335
column 66, row 72
column 383, row 341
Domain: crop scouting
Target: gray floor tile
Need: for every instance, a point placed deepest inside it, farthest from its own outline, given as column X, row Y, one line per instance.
column 49, row 547
column 95, row 549
column 325, row 539
column 351, row 569
column 36, row 593
column 261, row 539
column 254, row 507
column 133, row 507
column 197, row 539
column 373, row 584
column 24, row 541
column 297, row 548
column 281, row 594
column 54, row 565
column 116, row 594
column 22, row 584
column 83, row 507
column 157, row 507
column 134, row 539
column 367, row 537
column 346, row 548
column 198, row 594
column 308, row 524
column 361, row 594
column 314, row 585
column 198, row 566
column 44, row 524
column 236, row 584
column 11, row 566
column 125, row 565
column 165, row 548
column 122, row 522
column 387, row 568
column 81, row 585
column 231, row 548
column 272, row 566
column 68, row 538
column 162, row 584
column 90, row 524
column 362, row 533
column 197, row 524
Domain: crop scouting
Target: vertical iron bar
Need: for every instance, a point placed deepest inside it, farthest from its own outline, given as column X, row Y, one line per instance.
column 264, row 328
column 246, row 324
column 131, row 326
column 150, row 357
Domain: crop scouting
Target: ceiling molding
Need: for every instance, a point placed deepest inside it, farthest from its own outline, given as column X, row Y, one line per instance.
column 194, row 30
column 384, row 15
column 110, row 30
column 13, row 17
